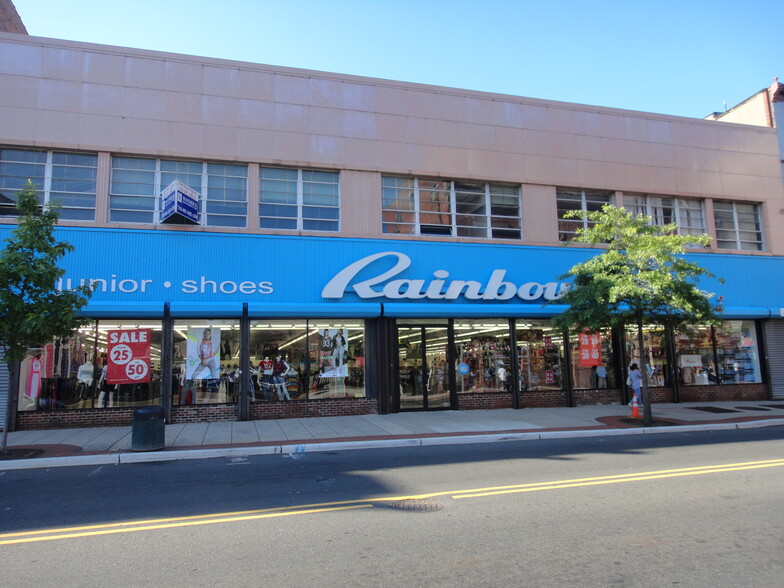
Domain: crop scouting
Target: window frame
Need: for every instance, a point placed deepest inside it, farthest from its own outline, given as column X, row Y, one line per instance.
column 158, row 185
column 48, row 177
column 566, row 235
column 652, row 205
column 737, row 241
column 305, row 177
column 460, row 215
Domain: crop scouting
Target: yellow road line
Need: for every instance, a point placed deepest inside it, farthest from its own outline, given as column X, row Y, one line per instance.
column 143, row 526
column 610, row 480
column 618, row 478
column 177, row 522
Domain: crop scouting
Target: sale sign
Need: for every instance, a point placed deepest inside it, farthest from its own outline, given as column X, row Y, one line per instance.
column 590, row 350
column 128, row 356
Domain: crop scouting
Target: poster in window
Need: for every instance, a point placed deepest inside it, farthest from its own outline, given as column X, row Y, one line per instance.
column 333, row 345
column 590, row 349
column 203, row 362
column 128, row 356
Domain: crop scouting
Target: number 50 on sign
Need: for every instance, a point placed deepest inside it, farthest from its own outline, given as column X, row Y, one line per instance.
column 128, row 356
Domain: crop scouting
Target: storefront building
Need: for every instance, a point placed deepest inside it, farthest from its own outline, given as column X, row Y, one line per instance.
column 266, row 242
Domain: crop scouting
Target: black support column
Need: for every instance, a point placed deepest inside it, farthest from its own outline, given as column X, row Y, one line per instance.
column 167, row 350
column 243, row 407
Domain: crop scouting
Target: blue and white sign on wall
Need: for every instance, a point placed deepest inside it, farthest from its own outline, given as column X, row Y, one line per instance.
column 179, row 203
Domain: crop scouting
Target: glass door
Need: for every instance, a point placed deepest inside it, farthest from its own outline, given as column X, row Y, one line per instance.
column 423, row 369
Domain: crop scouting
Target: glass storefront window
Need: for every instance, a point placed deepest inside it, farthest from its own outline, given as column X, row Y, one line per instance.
column 540, row 355
column 654, row 340
column 738, row 352
column 694, row 348
column 205, row 365
column 593, row 361
column 301, row 360
column 72, row 373
column 483, row 355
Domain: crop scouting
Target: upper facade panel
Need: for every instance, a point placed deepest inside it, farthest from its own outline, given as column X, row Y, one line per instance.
column 66, row 95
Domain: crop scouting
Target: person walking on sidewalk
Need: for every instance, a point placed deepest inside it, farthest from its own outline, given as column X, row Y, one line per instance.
column 635, row 381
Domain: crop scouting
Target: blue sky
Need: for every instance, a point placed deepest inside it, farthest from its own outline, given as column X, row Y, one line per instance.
column 680, row 57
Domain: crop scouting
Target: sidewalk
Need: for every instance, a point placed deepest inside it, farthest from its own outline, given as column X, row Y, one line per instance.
column 112, row 445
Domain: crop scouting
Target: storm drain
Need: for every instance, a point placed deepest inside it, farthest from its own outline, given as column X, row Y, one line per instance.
column 417, row 505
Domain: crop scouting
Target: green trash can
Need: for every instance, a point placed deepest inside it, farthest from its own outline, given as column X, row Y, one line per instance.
column 149, row 429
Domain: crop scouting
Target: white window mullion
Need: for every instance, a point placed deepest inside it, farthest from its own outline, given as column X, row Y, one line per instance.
column 453, row 206
column 488, row 213
column 300, row 199
column 737, row 225
column 204, row 195
column 48, row 177
column 416, row 207
column 156, row 215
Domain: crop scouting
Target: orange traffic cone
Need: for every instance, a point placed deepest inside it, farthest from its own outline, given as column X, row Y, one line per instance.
column 635, row 409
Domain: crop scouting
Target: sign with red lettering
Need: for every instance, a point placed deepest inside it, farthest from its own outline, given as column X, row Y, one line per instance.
column 590, row 350
column 549, row 377
column 128, row 356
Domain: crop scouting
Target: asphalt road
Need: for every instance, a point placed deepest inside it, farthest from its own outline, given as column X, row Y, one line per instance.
column 681, row 509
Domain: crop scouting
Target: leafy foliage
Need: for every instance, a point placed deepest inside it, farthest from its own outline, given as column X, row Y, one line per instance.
column 641, row 274
column 640, row 277
column 32, row 310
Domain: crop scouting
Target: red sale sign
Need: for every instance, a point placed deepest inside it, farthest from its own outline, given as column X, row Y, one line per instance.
column 590, row 350
column 128, row 356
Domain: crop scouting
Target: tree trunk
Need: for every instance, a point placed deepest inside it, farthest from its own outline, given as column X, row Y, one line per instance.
column 13, row 388
column 647, row 412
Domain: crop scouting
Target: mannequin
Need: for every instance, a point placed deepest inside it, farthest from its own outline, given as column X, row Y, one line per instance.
column 279, row 369
column 84, row 378
column 267, row 384
column 34, row 380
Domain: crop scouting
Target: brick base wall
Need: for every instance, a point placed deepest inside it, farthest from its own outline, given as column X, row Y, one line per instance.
column 480, row 401
column 70, row 419
column 597, row 396
column 543, row 398
column 725, row 392
column 313, row 408
column 205, row 413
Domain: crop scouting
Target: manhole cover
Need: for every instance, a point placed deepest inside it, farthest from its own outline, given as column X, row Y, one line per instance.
column 416, row 505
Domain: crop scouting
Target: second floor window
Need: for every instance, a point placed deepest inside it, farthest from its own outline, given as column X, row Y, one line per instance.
column 67, row 179
column 737, row 225
column 137, row 184
column 584, row 200
column 414, row 206
column 685, row 213
column 299, row 199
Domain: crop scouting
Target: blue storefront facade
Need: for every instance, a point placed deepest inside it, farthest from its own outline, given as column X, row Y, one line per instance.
column 367, row 326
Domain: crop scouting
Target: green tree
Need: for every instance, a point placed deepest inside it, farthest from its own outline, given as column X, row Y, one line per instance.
column 32, row 310
column 641, row 276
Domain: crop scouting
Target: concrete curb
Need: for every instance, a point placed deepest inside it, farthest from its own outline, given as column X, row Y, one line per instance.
column 294, row 449
column 58, row 462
